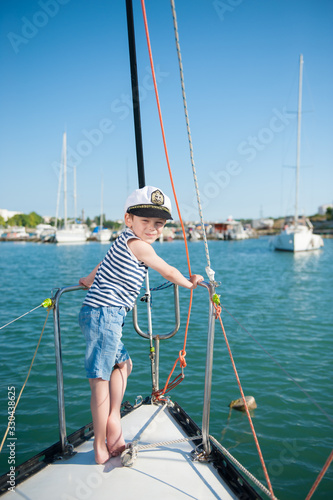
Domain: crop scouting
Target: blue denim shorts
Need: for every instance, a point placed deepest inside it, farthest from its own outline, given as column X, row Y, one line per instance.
column 102, row 328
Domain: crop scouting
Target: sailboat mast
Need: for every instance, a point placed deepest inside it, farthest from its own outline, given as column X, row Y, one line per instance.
column 135, row 94
column 101, row 216
column 299, row 117
column 65, row 179
column 74, row 173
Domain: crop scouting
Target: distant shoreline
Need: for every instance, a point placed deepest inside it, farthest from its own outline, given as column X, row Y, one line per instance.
column 326, row 234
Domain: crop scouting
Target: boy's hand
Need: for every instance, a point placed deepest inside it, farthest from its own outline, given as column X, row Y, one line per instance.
column 145, row 253
column 195, row 279
column 88, row 280
column 85, row 282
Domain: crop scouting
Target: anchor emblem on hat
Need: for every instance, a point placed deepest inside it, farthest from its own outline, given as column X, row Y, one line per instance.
column 157, row 197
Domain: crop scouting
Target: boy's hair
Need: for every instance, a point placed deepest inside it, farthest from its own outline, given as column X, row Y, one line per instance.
column 149, row 201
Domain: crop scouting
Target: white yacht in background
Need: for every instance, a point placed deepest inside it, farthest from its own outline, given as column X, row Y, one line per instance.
column 15, row 233
column 43, row 229
column 262, row 223
column 231, row 230
column 237, row 232
column 193, row 233
column 71, row 232
column 103, row 234
column 298, row 236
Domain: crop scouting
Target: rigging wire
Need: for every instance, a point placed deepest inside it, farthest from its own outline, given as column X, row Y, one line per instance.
column 45, row 303
column 182, row 353
column 162, row 131
column 209, row 271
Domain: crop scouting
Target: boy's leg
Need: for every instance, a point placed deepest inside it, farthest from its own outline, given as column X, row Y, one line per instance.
column 118, row 382
column 100, row 406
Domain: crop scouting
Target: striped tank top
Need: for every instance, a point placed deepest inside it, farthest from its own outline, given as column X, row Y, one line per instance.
column 119, row 277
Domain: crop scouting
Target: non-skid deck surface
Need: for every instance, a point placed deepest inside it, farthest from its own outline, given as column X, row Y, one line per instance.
column 163, row 473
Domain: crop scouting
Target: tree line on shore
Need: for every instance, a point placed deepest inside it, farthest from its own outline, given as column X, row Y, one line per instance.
column 33, row 219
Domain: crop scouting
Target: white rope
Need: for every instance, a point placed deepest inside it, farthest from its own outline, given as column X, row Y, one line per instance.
column 242, row 468
column 167, row 443
column 13, row 321
column 130, row 454
column 47, row 303
column 209, row 271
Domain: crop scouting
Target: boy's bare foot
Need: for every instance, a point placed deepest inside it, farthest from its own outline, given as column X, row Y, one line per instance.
column 114, row 436
column 102, row 454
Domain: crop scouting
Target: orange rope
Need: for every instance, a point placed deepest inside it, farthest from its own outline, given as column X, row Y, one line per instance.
column 162, row 130
column 320, row 476
column 182, row 354
column 218, row 315
column 168, row 386
column 181, row 357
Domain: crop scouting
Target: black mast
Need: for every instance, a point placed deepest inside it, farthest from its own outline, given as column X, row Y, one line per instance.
column 135, row 94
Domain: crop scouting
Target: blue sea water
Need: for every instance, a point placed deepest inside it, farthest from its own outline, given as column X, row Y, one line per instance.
column 278, row 316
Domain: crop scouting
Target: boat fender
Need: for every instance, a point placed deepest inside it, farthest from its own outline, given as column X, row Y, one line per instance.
column 238, row 404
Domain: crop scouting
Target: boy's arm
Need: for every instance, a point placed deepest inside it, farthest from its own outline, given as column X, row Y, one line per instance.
column 88, row 280
column 145, row 253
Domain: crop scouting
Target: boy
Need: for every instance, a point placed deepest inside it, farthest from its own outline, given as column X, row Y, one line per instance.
column 114, row 285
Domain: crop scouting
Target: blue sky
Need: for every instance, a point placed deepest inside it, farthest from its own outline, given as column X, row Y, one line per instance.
column 65, row 66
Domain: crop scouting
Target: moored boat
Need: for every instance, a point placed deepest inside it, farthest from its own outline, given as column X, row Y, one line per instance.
column 71, row 232
column 230, row 230
column 298, row 236
column 15, row 233
column 102, row 234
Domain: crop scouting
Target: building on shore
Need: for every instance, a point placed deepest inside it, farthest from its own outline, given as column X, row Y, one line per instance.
column 323, row 208
column 7, row 214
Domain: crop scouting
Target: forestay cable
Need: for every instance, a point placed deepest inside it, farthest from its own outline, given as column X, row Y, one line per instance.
column 209, row 270
column 183, row 353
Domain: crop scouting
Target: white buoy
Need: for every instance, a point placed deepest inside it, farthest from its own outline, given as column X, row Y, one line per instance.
column 238, row 404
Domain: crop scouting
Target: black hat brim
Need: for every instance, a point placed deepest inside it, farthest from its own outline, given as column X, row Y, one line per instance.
column 153, row 211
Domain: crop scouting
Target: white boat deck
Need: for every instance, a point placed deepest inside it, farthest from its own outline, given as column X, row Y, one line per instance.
column 166, row 472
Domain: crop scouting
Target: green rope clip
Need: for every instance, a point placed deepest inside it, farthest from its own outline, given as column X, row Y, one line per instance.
column 216, row 299
column 47, row 303
column 152, row 349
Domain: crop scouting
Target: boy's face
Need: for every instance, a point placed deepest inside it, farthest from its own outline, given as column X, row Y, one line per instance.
column 148, row 229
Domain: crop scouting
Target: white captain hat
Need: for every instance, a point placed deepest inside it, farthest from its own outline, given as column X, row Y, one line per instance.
column 149, row 201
